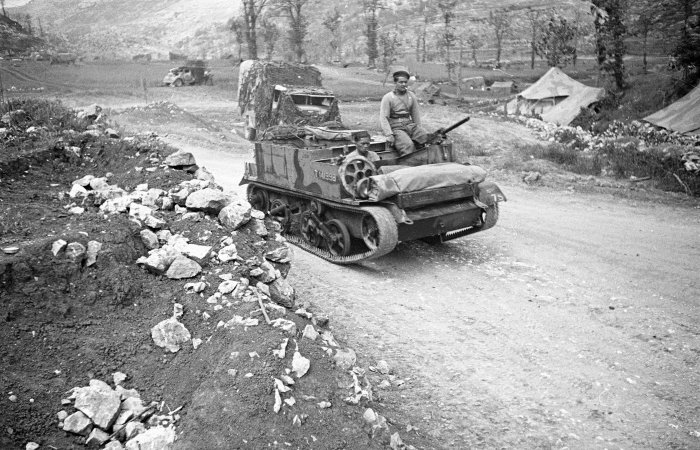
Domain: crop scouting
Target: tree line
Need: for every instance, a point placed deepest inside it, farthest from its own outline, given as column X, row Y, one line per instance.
column 453, row 31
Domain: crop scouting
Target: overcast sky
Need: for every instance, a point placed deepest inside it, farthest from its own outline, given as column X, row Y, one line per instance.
column 11, row 3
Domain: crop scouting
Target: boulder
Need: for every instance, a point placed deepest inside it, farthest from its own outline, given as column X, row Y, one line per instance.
column 169, row 334
column 235, row 214
column 77, row 423
column 156, row 438
column 99, row 402
column 180, row 159
column 183, row 267
column 282, row 293
column 208, row 200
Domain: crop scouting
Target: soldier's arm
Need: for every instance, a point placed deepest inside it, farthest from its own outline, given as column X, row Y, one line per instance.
column 384, row 112
column 415, row 113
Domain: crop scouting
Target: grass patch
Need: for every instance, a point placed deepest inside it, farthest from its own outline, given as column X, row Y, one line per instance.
column 568, row 157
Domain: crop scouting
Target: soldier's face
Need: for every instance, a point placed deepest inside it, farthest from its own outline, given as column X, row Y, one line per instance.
column 363, row 146
column 401, row 84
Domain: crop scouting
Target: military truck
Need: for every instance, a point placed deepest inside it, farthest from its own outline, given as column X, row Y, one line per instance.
column 274, row 93
column 193, row 72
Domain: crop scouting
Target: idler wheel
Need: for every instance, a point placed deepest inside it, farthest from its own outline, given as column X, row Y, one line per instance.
column 353, row 170
column 339, row 238
column 258, row 198
column 309, row 229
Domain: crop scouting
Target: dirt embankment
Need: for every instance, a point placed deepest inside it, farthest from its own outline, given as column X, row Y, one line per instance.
column 68, row 320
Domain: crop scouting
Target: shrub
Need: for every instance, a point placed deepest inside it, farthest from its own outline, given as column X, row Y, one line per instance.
column 44, row 113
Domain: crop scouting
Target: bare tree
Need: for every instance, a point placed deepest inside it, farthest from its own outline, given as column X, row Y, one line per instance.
column 447, row 38
column 370, row 10
column 500, row 22
column 534, row 19
column 475, row 43
column 298, row 24
column 610, row 29
column 252, row 10
column 2, row 3
column 270, row 34
column 642, row 26
column 332, row 23
column 238, row 27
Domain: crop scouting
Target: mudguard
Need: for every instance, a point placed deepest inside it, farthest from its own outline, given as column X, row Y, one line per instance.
column 490, row 193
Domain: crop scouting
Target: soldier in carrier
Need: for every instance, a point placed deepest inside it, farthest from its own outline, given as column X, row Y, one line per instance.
column 399, row 116
column 362, row 142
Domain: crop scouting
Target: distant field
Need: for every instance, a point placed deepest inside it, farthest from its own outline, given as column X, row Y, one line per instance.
column 356, row 83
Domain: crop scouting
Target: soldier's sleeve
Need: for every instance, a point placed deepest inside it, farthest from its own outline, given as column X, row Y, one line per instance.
column 415, row 114
column 384, row 112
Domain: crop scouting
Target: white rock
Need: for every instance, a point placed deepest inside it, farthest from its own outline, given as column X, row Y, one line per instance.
column 118, row 378
column 345, row 358
column 199, row 253
column 156, row 438
column 99, row 402
column 369, row 416
column 310, row 332
column 286, row 325
column 149, row 239
column 77, row 191
column 31, row 446
column 93, row 248
column 207, row 200
column 170, row 333
column 300, row 365
column 96, row 438
column 77, row 423
column 139, row 212
column 154, row 222
column 227, row 287
column 195, row 288
column 183, row 267
column 57, row 246
column 235, row 214
column 76, row 251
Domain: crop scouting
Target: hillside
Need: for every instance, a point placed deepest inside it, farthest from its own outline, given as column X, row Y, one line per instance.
column 121, row 29
column 116, row 29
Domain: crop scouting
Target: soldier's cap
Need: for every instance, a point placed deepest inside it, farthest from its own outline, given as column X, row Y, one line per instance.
column 357, row 135
column 401, row 72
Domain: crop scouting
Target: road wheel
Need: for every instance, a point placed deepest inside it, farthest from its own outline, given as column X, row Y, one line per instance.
column 279, row 211
column 310, row 230
column 339, row 239
column 178, row 83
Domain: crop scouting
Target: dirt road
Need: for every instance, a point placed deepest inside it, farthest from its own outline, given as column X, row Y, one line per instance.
column 573, row 323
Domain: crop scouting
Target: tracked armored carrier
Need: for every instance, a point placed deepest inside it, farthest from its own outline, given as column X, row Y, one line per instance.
column 346, row 208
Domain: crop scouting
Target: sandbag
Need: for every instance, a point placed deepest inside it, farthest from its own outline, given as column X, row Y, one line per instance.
column 418, row 178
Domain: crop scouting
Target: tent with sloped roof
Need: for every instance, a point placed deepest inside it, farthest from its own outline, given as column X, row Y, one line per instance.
column 682, row 116
column 556, row 97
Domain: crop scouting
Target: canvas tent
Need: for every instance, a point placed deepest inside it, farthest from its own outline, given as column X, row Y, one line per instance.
column 682, row 116
column 555, row 97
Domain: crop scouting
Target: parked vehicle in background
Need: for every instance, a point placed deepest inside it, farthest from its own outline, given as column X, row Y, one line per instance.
column 277, row 93
column 63, row 58
column 193, row 72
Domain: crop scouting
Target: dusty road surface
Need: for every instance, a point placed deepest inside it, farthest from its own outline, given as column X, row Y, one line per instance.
column 574, row 323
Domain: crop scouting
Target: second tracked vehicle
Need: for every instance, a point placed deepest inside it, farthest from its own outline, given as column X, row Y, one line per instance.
column 346, row 208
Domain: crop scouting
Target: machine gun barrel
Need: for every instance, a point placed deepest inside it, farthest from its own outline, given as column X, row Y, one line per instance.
column 455, row 125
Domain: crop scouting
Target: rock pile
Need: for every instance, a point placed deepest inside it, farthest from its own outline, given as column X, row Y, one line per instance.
column 116, row 418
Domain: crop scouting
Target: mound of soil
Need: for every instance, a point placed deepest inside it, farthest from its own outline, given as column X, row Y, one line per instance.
column 65, row 321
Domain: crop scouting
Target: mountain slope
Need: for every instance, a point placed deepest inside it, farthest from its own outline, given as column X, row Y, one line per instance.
column 124, row 28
